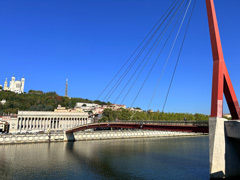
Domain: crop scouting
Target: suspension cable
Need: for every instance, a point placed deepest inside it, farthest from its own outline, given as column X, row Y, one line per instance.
column 152, row 53
column 179, row 56
column 158, row 56
column 156, row 41
column 135, row 59
column 134, row 51
column 168, row 57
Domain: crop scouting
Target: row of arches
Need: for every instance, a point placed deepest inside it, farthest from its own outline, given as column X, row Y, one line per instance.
column 44, row 123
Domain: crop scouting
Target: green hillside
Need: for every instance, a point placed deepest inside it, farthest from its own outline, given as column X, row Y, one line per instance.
column 37, row 101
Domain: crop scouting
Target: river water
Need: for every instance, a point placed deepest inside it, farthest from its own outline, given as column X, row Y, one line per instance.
column 164, row 158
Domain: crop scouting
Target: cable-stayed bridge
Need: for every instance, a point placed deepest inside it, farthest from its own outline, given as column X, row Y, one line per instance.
column 224, row 135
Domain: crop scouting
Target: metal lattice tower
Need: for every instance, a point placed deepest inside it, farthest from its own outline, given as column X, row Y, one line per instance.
column 66, row 89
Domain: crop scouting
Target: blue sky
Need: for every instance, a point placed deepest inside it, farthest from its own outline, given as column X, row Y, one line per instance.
column 88, row 41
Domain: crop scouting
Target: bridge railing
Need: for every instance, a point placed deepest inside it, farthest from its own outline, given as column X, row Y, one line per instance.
column 189, row 123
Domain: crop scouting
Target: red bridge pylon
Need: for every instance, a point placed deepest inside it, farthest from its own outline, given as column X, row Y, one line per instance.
column 221, row 82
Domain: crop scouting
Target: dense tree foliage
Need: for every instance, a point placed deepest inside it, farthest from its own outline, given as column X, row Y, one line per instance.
column 37, row 101
column 124, row 114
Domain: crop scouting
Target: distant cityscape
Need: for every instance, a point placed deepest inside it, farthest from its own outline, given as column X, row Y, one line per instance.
column 59, row 119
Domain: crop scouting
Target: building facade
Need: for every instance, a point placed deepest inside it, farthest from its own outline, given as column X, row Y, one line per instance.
column 35, row 121
column 87, row 106
column 15, row 86
column 4, row 127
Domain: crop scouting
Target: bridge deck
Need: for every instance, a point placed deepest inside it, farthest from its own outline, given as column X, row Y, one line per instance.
column 162, row 126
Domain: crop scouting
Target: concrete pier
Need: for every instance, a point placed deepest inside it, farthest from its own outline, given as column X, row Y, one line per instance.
column 69, row 136
column 224, row 147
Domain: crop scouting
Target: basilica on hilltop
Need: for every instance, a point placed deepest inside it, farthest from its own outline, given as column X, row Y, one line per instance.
column 15, row 86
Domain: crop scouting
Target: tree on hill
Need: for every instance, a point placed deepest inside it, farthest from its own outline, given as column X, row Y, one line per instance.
column 124, row 114
column 37, row 101
column 34, row 92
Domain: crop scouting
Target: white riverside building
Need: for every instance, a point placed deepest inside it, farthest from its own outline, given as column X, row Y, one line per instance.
column 35, row 121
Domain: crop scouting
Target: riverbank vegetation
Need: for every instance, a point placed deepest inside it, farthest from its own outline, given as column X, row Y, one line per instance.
column 125, row 114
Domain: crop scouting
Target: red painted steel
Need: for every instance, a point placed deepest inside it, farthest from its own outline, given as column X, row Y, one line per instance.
column 221, row 82
column 179, row 128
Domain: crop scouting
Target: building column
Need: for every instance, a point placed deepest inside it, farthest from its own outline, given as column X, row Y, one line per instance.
column 41, row 125
column 27, row 123
column 33, row 122
column 58, row 119
column 55, row 123
column 45, row 124
column 23, row 123
column 37, row 122
column 20, row 123
column 48, row 123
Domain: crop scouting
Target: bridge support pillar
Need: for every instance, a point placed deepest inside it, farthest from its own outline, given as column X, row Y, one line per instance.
column 224, row 151
column 69, row 136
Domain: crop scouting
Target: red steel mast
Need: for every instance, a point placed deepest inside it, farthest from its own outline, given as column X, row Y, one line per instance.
column 221, row 82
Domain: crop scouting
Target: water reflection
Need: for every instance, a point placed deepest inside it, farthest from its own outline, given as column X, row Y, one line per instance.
column 151, row 158
column 100, row 165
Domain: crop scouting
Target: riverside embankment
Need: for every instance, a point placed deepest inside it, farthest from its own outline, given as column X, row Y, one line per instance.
column 89, row 135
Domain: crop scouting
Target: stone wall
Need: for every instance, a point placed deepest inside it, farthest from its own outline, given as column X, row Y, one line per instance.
column 126, row 134
column 90, row 135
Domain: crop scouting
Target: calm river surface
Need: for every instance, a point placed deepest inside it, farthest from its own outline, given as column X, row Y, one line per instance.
column 167, row 158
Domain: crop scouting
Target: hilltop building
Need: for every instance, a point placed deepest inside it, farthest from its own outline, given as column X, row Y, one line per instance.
column 96, row 108
column 15, row 86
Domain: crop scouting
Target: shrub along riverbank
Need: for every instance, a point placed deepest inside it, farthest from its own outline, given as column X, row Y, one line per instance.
column 124, row 114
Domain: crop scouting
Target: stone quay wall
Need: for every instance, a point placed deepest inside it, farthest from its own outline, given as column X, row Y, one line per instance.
column 89, row 135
